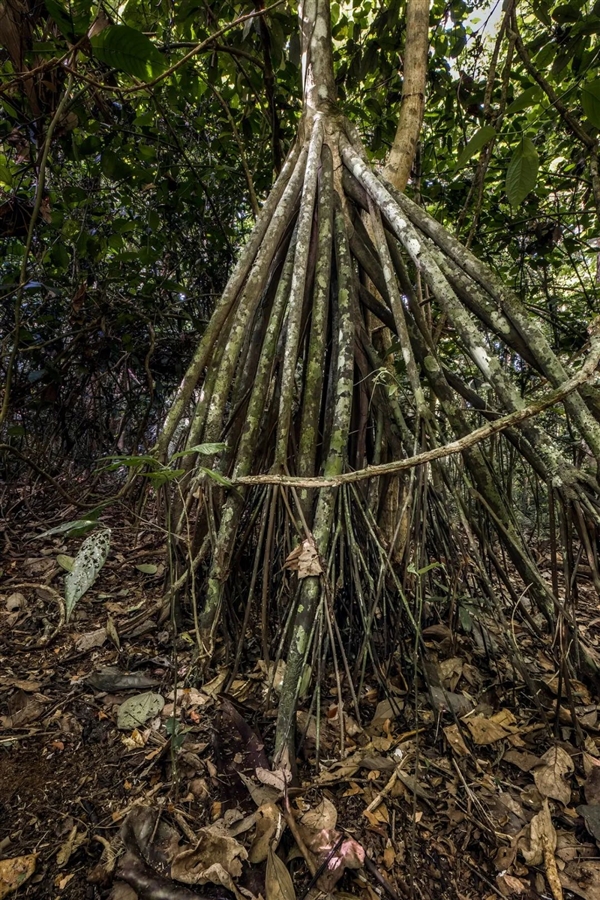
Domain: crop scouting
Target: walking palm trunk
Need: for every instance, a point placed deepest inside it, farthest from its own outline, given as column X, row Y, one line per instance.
column 290, row 374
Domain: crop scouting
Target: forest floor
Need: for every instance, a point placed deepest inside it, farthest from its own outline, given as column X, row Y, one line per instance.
column 457, row 789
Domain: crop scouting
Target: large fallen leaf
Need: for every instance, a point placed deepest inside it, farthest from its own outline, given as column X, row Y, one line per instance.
column 15, row 872
column 136, row 710
column 278, row 881
column 217, row 858
column 550, row 776
column 88, row 562
column 542, row 845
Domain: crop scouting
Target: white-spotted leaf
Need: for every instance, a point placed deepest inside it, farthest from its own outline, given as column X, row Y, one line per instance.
column 88, row 562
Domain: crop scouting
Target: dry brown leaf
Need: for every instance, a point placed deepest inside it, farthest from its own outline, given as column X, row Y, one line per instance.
column 15, row 872
column 304, row 559
column 322, row 816
column 455, row 739
column 489, row 730
column 268, row 820
column 278, row 881
column 450, row 671
column 510, row 886
column 216, row 858
column 542, row 846
column 582, row 878
column 69, row 847
column 591, row 787
column 550, row 776
column 523, row 760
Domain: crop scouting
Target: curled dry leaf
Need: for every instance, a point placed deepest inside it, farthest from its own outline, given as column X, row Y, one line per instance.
column 216, row 858
column 15, row 872
column 277, row 779
column 72, row 843
column 542, row 845
column 268, row 829
column 278, row 881
column 304, row 559
column 550, row 776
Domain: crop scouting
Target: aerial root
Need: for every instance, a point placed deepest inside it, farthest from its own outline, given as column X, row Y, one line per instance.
column 295, row 376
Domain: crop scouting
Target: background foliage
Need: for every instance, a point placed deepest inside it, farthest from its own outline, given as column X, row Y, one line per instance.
column 148, row 191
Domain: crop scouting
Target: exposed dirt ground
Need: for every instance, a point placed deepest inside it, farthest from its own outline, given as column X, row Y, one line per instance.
column 454, row 789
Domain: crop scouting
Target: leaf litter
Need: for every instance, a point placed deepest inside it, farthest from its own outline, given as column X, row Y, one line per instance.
column 469, row 791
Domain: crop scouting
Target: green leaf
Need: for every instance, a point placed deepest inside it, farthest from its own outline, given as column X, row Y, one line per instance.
column 165, row 475
column 128, row 50
column 73, row 20
column 147, row 568
column 522, row 172
column 74, row 528
column 220, row 479
column 65, row 562
column 477, row 142
column 590, row 100
column 529, row 96
column 202, row 449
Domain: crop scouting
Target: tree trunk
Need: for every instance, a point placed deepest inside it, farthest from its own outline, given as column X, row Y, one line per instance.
column 414, row 76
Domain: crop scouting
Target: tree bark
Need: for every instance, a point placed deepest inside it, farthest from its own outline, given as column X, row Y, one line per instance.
column 410, row 120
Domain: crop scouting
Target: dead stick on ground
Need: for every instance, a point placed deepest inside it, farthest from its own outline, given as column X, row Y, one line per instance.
column 293, row 826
